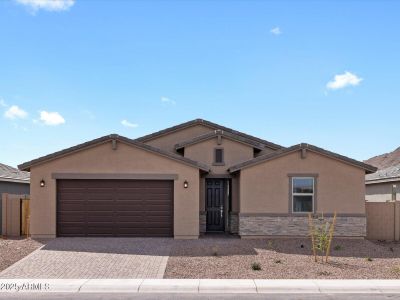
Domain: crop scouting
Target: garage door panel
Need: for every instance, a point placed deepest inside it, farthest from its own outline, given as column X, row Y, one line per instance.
column 129, row 207
column 72, row 230
column 71, row 206
column 103, row 207
column 114, row 208
column 71, row 217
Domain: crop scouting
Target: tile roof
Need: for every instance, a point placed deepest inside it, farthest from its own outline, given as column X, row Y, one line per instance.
column 211, row 125
column 285, row 151
column 8, row 173
column 216, row 133
column 29, row 164
column 387, row 174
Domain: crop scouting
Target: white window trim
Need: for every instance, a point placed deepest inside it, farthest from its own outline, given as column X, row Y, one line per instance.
column 303, row 194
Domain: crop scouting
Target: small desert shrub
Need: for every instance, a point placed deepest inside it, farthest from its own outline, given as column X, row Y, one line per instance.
column 396, row 270
column 338, row 247
column 277, row 261
column 270, row 244
column 214, row 250
column 369, row 259
column 256, row 266
column 324, row 273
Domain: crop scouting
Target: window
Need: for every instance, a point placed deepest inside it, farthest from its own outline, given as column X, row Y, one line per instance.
column 218, row 156
column 302, row 194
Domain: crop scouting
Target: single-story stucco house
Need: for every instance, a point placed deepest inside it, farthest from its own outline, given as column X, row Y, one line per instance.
column 384, row 185
column 12, row 181
column 190, row 179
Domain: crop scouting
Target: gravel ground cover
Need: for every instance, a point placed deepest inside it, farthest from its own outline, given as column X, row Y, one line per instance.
column 281, row 259
column 13, row 250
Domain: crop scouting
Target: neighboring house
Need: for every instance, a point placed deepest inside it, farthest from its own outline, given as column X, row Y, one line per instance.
column 193, row 178
column 12, row 181
column 384, row 185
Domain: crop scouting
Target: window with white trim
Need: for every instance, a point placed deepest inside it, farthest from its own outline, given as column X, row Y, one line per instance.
column 303, row 194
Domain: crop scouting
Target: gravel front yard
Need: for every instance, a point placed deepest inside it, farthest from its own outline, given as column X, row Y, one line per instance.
column 281, row 258
column 13, row 250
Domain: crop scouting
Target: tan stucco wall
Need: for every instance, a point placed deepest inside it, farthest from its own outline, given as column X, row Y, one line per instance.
column 168, row 141
column 235, row 194
column 126, row 159
column 264, row 188
column 382, row 192
column 234, row 153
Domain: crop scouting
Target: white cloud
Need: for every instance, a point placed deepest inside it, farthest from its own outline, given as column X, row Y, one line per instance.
column 3, row 103
column 126, row 123
column 14, row 112
column 49, row 5
column 167, row 100
column 276, row 31
column 51, row 118
column 343, row 80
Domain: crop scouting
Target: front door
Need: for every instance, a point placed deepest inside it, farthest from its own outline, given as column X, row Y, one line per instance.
column 215, row 204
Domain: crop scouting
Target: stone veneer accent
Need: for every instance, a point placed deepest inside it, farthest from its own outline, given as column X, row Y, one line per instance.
column 264, row 225
column 203, row 222
column 233, row 222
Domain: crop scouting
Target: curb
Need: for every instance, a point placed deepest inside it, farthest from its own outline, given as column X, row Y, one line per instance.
column 225, row 286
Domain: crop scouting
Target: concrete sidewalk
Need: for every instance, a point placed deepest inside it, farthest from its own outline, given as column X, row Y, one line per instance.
column 231, row 286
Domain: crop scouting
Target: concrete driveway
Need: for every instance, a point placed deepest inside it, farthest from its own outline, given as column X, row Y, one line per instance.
column 95, row 258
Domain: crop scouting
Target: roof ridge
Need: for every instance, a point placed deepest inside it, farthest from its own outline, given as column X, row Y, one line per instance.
column 209, row 124
column 106, row 138
column 218, row 132
column 296, row 147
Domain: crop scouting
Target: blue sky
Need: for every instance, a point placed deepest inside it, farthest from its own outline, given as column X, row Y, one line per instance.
column 71, row 71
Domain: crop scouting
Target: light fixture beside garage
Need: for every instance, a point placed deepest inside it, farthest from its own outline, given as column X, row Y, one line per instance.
column 185, row 184
column 42, row 183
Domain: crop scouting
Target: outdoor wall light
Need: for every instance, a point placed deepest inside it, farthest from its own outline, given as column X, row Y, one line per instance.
column 42, row 183
column 185, row 184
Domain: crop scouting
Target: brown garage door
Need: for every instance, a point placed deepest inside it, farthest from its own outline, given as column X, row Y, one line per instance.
column 114, row 208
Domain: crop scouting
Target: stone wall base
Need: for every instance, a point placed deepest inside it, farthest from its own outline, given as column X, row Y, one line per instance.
column 233, row 222
column 261, row 225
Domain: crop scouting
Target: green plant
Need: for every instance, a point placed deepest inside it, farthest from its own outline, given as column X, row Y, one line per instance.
column 256, row 266
column 215, row 250
column 277, row 261
column 270, row 244
column 338, row 247
column 396, row 270
column 321, row 236
column 369, row 259
column 324, row 273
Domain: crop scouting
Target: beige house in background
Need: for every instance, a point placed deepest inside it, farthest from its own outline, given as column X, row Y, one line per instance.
column 190, row 179
column 384, row 185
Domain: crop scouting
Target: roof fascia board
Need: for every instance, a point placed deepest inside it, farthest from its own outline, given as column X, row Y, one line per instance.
column 382, row 180
column 105, row 139
column 206, row 137
column 311, row 148
column 209, row 124
column 4, row 179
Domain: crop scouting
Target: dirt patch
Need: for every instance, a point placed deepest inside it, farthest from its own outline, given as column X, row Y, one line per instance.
column 13, row 250
column 281, row 259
